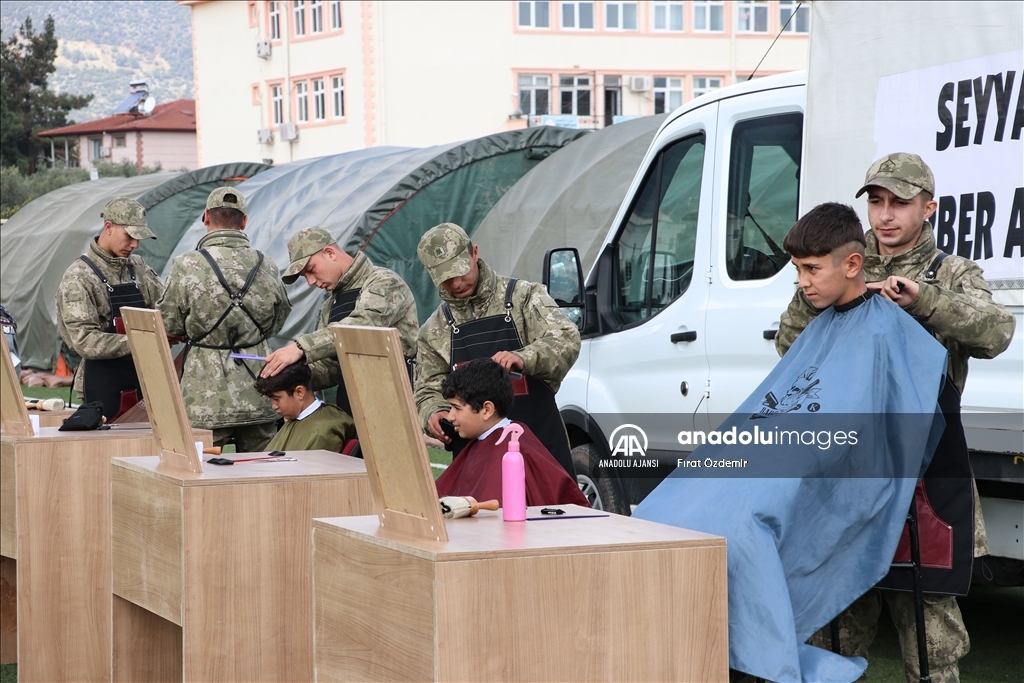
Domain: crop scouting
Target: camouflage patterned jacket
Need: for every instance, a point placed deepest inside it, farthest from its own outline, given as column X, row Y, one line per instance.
column 219, row 392
column 956, row 306
column 384, row 301
column 83, row 309
column 551, row 341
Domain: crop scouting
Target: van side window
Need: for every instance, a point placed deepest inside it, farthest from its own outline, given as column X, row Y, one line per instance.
column 764, row 180
column 665, row 215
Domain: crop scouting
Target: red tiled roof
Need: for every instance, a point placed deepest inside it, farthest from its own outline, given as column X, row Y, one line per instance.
column 179, row 115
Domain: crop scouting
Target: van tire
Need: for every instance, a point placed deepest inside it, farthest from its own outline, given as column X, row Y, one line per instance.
column 602, row 492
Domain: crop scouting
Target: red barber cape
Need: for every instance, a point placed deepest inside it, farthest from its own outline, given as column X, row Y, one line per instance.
column 477, row 472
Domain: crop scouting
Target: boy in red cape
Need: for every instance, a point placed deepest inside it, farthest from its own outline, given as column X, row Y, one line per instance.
column 480, row 394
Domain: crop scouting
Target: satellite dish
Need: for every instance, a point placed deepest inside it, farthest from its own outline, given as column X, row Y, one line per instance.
column 147, row 106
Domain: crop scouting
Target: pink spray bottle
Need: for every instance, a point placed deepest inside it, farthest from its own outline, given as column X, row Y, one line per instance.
column 513, row 477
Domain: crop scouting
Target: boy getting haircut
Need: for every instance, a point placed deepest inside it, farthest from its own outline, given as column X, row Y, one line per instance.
column 310, row 424
column 478, row 381
column 481, row 396
column 829, row 228
column 287, row 380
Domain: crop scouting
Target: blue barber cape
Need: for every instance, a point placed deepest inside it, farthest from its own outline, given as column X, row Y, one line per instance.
column 811, row 528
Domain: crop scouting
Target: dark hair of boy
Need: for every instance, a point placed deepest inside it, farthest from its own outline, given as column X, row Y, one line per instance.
column 287, row 380
column 829, row 228
column 478, row 381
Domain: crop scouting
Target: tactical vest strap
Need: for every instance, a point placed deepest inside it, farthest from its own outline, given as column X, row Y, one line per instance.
column 933, row 269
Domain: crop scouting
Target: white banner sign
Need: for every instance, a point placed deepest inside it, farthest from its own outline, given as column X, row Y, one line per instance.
column 964, row 119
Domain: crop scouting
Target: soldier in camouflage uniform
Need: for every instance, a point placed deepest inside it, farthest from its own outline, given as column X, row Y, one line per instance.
column 225, row 297
column 950, row 298
column 361, row 294
column 89, row 298
column 485, row 315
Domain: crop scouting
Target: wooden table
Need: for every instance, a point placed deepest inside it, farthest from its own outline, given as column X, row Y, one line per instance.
column 55, row 547
column 52, row 418
column 602, row 599
column 212, row 570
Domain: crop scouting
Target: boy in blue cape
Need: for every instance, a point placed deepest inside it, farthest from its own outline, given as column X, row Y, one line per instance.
column 813, row 523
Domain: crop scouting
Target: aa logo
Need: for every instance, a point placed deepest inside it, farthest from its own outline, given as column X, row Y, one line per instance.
column 628, row 441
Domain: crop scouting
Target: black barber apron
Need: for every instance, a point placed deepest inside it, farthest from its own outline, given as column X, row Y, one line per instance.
column 536, row 407
column 342, row 306
column 944, row 498
column 109, row 379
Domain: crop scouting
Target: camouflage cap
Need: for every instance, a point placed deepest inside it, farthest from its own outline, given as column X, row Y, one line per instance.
column 444, row 251
column 226, row 198
column 301, row 246
column 130, row 215
column 905, row 175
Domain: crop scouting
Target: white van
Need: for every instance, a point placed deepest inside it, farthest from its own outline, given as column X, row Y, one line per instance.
column 680, row 310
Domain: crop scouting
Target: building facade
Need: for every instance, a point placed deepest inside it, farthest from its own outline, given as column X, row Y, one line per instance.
column 291, row 80
column 166, row 136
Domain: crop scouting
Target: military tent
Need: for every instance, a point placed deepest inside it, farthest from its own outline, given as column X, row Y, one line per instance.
column 381, row 200
column 569, row 199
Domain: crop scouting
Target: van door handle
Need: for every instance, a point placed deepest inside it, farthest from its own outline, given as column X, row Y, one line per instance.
column 769, row 334
column 683, row 337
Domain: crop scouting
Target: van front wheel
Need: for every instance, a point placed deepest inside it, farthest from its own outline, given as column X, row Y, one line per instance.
column 601, row 491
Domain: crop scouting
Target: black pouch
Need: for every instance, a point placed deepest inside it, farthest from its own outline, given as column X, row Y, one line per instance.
column 89, row 416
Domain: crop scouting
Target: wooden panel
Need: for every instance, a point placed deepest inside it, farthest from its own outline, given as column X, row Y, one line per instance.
column 138, row 631
column 8, row 611
column 622, row 616
column 53, row 418
column 8, row 493
column 391, row 641
column 308, row 465
column 248, row 574
column 145, row 540
column 152, row 356
column 13, row 414
column 377, row 382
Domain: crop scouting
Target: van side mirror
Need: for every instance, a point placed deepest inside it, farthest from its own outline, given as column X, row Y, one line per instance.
column 563, row 278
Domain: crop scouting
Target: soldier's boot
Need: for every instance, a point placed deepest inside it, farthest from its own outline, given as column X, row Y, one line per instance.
column 944, row 630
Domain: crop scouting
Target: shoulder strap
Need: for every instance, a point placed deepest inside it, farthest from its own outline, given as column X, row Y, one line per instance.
column 933, row 269
column 89, row 262
column 447, row 311
column 508, row 298
column 236, row 300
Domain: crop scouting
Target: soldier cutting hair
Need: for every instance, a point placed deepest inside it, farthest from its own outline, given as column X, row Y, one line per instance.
column 225, row 297
column 89, row 300
column 948, row 295
column 361, row 294
column 485, row 315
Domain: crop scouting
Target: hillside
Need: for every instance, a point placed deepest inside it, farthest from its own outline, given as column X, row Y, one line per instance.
column 104, row 45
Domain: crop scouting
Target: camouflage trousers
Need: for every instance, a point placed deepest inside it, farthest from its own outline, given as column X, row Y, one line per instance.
column 944, row 631
column 247, row 438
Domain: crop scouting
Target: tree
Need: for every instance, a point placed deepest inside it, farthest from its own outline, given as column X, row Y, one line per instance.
column 27, row 106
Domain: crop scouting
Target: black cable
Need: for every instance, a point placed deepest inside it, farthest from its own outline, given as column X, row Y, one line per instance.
column 781, row 31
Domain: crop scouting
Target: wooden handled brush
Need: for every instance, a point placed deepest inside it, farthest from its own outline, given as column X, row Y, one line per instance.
column 454, row 507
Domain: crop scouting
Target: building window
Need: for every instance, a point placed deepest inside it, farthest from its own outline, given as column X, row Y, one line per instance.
column 97, row 145
column 578, row 15
column 801, row 23
column 299, row 12
column 708, row 15
column 275, row 20
column 338, row 95
column 704, row 84
column 751, row 16
column 620, row 15
column 302, row 101
column 534, row 14
column 668, row 16
column 316, row 16
column 277, row 103
column 335, row 15
column 119, row 141
column 574, row 95
column 534, row 95
column 668, row 94
column 319, row 100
